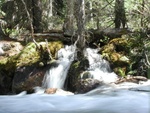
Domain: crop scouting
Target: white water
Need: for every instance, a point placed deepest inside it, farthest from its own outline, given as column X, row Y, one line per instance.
column 99, row 68
column 1, row 50
column 55, row 77
column 108, row 100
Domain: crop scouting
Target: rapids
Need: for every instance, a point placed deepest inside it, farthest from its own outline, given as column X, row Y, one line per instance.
column 118, row 101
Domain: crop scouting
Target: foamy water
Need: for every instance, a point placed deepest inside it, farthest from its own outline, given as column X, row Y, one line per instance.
column 119, row 101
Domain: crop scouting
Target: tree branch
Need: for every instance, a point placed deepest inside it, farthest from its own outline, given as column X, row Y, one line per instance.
column 50, row 55
column 29, row 17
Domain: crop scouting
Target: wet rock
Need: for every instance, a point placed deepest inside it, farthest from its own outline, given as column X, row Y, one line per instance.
column 133, row 79
column 5, row 82
column 74, row 74
column 86, row 85
column 28, row 77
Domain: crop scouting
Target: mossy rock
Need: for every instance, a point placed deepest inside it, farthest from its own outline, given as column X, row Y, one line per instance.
column 29, row 55
column 121, row 44
column 3, row 62
column 116, row 45
column 108, row 48
column 119, row 59
column 117, row 53
column 73, row 75
column 75, row 72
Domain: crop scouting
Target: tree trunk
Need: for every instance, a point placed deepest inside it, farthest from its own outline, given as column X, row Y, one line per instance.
column 142, row 11
column 80, row 17
column 68, row 26
column 37, row 16
column 120, row 17
column 47, row 14
column 91, row 13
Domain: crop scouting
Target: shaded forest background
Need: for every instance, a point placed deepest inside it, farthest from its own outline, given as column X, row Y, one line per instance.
column 16, row 16
column 104, row 19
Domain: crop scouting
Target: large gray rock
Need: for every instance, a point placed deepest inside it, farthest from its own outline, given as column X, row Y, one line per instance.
column 86, row 85
column 28, row 77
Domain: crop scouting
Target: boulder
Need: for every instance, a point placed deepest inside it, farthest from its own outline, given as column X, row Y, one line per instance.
column 74, row 74
column 50, row 91
column 117, row 53
column 75, row 83
column 28, row 77
column 86, row 85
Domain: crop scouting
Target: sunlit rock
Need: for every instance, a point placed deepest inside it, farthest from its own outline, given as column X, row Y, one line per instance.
column 10, row 48
column 117, row 53
column 50, row 90
column 57, row 91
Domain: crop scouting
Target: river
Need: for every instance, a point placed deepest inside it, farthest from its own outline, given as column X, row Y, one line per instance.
column 109, row 101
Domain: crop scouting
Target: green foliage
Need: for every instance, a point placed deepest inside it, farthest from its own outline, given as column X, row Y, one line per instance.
column 105, row 40
column 121, row 72
column 1, row 2
column 11, row 32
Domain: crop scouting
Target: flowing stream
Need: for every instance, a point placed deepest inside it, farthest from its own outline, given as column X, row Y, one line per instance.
column 125, row 98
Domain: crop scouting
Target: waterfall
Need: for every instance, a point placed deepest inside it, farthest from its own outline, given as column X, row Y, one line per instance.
column 55, row 77
column 99, row 68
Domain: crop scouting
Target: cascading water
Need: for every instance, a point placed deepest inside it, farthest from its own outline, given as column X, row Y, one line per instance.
column 55, row 77
column 1, row 50
column 99, row 68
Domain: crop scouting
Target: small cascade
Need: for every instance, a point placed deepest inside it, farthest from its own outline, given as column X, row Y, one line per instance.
column 55, row 77
column 99, row 68
column 1, row 50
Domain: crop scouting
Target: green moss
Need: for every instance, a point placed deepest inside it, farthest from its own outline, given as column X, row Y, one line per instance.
column 121, row 71
column 54, row 47
column 117, row 51
column 76, row 65
column 29, row 55
column 3, row 63
column 108, row 48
